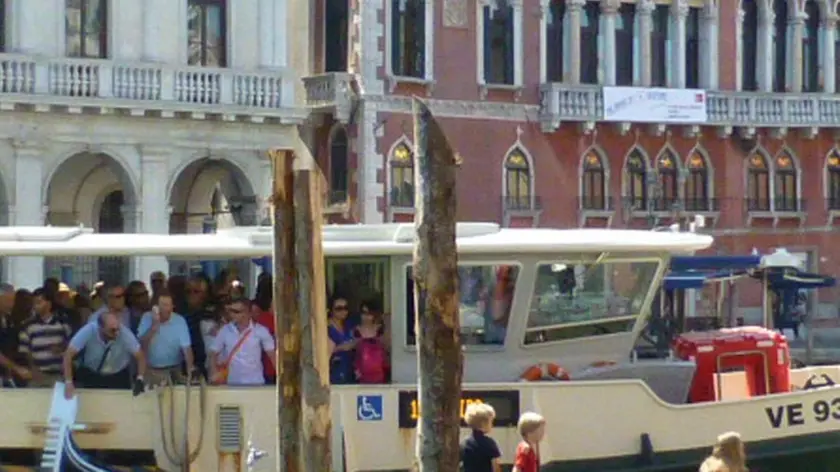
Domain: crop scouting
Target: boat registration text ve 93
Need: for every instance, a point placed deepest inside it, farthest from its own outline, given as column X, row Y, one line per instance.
column 505, row 402
column 802, row 413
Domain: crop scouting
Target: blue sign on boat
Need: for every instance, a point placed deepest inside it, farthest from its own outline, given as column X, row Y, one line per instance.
column 369, row 407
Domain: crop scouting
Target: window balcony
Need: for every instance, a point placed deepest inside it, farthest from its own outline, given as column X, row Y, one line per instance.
column 44, row 84
column 583, row 104
column 331, row 93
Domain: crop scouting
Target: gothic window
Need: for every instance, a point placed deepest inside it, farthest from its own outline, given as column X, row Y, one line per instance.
column 692, row 48
column 749, row 45
column 517, row 181
column 758, row 184
column 811, row 48
column 659, row 46
column 339, row 172
column 666, row 167
column 498, row 44
column 589, row 43
column 785, row 184
column 554, row 41
column 635, row 175
column 408, row 38
column 336, row 30
column 624, row 39
column 86, row 28
column 593, row 183
column 206, row 33
column 402, row 177
column 780, row 22
column 833, row 180
column 697, row 184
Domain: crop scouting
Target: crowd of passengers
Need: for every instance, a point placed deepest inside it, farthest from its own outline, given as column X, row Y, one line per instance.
column 173, row 330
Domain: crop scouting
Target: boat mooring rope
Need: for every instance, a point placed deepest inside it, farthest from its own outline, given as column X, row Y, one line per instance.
column 184, row 458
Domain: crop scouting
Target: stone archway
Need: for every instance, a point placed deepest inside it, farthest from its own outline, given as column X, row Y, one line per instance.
column 93, row 190
column 207, row 195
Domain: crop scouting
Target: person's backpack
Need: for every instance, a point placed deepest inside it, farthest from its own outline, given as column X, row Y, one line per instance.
column 371, row 361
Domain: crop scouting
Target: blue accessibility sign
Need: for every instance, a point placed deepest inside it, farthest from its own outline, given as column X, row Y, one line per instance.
column 369, row 407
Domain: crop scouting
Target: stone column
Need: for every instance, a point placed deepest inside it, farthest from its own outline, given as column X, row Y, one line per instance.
column 709, row 49
column 679, row 12
column 574, row 10
column 796, row 27
column 518, row 42
column 764, row 74
column 645, row 13
column 828, row 33
column 28, row 210
column 609, row 12
column 154, row 211
column 544, row 11
column 267, row 31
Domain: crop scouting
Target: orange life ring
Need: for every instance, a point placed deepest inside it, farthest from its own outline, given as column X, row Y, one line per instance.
column 602, row 363
column 544, row 371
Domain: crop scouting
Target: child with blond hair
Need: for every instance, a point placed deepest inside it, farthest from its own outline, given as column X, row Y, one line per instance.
column 479, row 452
column 531, row 428
column 728, row 455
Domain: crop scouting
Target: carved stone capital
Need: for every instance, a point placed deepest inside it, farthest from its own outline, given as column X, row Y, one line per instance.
column 646, row 7
column 576, row 5
column 610, row 7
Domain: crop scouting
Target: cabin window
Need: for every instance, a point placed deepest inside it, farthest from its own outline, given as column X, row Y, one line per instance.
column 358, row 280
column 486, row 298
column 575, row 300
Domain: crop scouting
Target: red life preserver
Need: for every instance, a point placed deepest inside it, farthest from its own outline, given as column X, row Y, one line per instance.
column 544, row 371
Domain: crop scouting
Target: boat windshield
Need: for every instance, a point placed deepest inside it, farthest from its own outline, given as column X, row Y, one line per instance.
column 575, row 300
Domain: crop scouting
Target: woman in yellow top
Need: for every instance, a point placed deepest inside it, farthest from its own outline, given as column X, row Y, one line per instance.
column 728, row 455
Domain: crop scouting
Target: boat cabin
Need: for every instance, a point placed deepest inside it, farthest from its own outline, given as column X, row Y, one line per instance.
column 571, row 297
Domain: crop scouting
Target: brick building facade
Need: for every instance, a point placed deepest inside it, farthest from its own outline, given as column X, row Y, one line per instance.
column 518, row 87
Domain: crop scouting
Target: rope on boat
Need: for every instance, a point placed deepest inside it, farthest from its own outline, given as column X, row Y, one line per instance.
column 183, row 458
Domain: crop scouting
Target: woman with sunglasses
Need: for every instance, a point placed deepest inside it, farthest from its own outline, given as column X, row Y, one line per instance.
column 341, row 342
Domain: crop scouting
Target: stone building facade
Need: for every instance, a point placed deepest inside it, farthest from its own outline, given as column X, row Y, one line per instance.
column 519, row 88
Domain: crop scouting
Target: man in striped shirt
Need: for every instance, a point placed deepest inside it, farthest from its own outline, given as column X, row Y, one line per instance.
column 43, row 341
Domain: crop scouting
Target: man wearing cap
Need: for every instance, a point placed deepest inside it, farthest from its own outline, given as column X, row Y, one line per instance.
column 64, row 307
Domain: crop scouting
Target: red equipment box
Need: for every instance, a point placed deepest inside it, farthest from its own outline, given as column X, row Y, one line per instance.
column 763, row 354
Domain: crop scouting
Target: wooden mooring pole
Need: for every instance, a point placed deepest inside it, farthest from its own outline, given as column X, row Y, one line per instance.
column 440, row 359
column 287, row 320
column 312, row 292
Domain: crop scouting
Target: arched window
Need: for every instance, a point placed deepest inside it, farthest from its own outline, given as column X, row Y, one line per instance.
column 785, row 184
column 589, row 31
column 832, row 168
column 666, row 167
column 207, row 33
column 86, row 28
column 660, row 45
column 780, row 22
column 339, row 172
column 517, row 182
column 811, row 47
column 554, row 41
column 402, row 177
column 697, row 184
column 635, row 174
column 692, row 47
column 749, row 45
column 593, row 183
column 758, row 184
column 336, row 29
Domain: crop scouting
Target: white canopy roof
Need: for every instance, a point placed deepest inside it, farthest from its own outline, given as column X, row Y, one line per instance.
column 385, row 239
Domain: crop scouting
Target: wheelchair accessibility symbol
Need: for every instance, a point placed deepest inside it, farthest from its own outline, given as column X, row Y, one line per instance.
column 369, row 408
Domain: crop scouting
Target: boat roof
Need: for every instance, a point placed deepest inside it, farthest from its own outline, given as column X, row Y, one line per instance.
column 340, row 240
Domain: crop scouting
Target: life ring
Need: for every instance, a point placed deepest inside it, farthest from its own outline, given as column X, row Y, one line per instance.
column 544, row 371
column 597, row 364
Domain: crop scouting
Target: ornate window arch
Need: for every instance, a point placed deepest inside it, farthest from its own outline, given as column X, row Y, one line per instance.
column 758, row 182
column 832, row 180
column 785, row 186
column 667, row 174
column 593, row 182
column 635, row 178
column 697, row 183
column 339, row 166
column 518, row 191
column 402, row 175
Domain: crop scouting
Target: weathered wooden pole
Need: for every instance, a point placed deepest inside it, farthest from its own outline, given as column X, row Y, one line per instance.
column 312, row 293
column 287, row 321
column 440, row 360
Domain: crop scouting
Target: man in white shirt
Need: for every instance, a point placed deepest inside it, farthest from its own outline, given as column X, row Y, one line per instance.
column 238, row 348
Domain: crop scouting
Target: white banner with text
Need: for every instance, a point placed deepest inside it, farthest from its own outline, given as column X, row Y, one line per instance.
column 655, row 105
